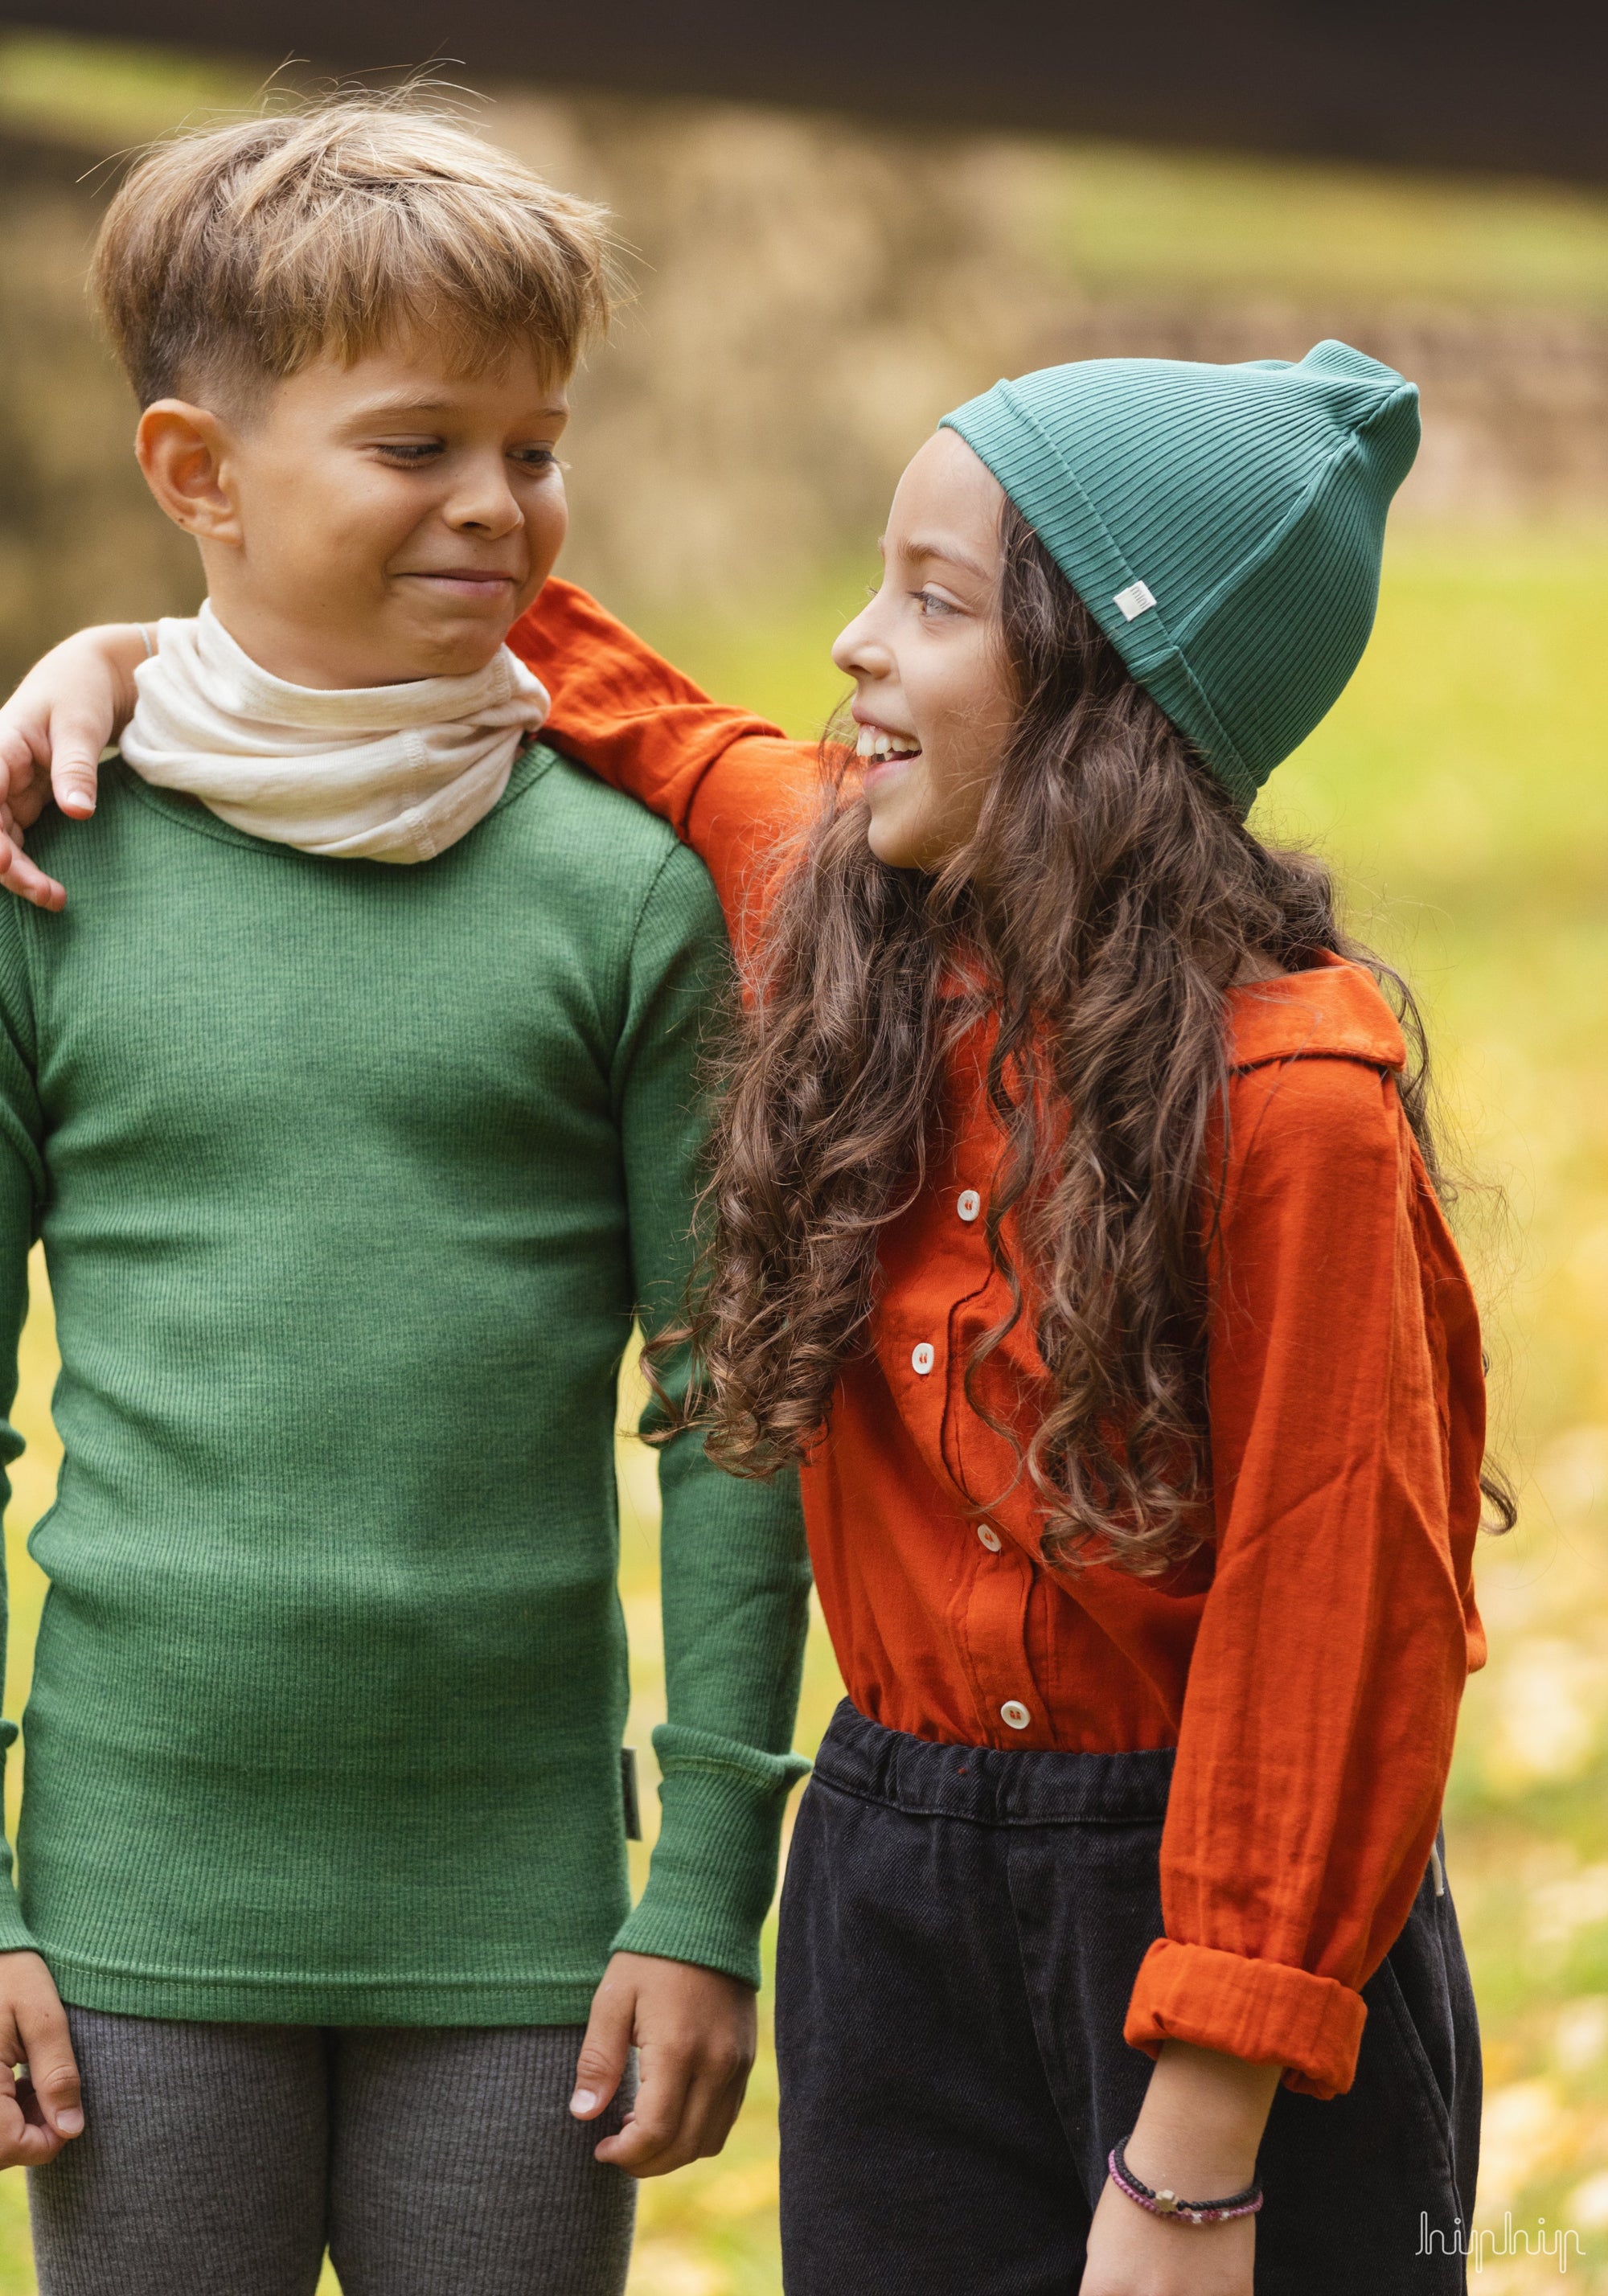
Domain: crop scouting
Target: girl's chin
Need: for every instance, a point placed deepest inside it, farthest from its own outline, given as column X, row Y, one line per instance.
column 894, row 835
column 893, row 789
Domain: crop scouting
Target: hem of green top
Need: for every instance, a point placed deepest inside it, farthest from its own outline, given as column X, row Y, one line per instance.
column 310, row 2001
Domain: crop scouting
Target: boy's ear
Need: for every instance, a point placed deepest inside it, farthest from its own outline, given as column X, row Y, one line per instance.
column 181, row 450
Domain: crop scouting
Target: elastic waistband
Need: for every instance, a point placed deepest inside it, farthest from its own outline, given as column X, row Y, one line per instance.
column 990, row 1785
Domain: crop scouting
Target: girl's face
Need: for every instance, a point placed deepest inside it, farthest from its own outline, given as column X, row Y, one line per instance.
column 933, row 701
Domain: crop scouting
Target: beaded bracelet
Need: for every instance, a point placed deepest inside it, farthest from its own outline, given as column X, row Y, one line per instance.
column 1167, row 2203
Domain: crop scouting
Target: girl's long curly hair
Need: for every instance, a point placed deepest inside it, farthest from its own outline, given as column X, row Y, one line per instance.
column 1109, row 899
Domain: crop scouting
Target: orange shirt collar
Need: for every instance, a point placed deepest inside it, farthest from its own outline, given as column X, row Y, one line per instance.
column 1333, row 1010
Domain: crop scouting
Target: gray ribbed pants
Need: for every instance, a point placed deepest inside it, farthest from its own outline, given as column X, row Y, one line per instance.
column 223, row 2160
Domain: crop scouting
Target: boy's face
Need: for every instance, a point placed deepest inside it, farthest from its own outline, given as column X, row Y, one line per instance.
column 368, row 524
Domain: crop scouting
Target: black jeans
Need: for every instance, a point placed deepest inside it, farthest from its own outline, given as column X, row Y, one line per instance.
column 961, row 1929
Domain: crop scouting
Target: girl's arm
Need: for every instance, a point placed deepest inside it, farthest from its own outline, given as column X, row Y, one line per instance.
column 1347, row 1428
column 73, row 704
column 1347, row 1425
column 730, row 784
column 1198, row 2132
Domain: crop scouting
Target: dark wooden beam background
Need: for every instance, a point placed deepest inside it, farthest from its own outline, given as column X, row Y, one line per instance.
column 1459, row 83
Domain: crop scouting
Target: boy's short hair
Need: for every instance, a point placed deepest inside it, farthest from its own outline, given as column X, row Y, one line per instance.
column 232, row 257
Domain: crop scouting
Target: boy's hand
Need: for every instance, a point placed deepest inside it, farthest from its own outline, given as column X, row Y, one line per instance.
column 74, row 700
column 40, row 2112
column 695, row 2033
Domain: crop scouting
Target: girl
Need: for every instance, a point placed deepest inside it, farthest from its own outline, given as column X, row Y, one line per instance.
column 1077, row 1221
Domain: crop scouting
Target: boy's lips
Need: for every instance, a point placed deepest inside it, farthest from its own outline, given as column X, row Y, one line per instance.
column 467, row 582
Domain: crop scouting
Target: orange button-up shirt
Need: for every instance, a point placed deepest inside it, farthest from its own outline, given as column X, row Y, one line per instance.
column 1308, row 1661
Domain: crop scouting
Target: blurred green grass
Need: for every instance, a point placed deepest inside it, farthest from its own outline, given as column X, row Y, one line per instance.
column 1461, row 788
column 111, row 92
column 1115, row 217
column 1106, row 216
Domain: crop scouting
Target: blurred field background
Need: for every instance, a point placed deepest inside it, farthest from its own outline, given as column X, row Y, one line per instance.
column 809, row 297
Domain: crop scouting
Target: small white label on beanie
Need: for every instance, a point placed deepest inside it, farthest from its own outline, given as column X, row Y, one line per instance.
column 1134, row 601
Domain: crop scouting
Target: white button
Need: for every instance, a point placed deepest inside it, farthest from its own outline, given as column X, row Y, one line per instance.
column 1014, row 1714
column 922, row 1359
column 989, row 1537
column 970, row 1204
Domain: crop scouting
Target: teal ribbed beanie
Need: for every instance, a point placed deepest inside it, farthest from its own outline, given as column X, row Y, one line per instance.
column 1223, row 525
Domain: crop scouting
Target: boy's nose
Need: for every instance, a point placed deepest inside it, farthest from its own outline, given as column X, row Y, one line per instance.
column 487, row 506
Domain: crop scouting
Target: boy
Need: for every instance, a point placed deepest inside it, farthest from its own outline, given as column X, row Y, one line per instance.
column 355, row 1101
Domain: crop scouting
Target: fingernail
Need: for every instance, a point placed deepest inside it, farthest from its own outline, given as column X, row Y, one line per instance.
column 70, row 2122
column 583, row 2101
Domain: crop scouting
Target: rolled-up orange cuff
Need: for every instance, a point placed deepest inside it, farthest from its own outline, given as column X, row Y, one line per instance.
column 1262, row 2011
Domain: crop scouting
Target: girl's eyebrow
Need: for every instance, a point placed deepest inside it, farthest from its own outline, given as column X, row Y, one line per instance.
column 921, row 545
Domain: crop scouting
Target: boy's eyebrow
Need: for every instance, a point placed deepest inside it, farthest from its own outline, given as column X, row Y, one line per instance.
column 923, row 546
column 402, row 402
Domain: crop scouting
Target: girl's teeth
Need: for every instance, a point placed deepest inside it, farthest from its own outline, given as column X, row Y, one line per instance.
column 874, row 742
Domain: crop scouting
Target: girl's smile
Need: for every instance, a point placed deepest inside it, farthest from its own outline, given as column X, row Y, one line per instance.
column 884, row 756
column 876, row 742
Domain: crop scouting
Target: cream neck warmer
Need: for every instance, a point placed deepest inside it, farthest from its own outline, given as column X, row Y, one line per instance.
column 380, row 773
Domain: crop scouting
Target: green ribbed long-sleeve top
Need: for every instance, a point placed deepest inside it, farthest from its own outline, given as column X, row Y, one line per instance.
column 350, row 1178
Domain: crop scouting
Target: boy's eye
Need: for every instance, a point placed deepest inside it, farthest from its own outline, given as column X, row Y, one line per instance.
column 410, row 453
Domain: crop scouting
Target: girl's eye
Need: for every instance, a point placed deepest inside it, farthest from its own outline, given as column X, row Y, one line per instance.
column 535, row 458
column 930, row 606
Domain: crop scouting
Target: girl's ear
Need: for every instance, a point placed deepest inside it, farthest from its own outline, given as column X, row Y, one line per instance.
column 181, row 450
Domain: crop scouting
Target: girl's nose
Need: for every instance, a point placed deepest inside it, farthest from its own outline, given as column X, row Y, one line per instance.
column 858, row 651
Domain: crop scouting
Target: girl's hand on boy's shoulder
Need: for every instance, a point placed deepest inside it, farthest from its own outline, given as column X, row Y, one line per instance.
column 695, row 2032
column 40, row 2111
column 74, row 700
column 1132, row 2253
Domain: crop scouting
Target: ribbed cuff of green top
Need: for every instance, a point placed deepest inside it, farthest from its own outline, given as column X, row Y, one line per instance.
column 714, row 1869
column 14, row 1935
